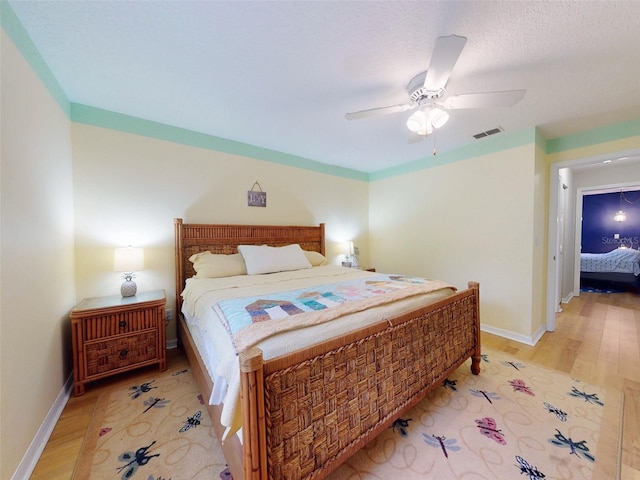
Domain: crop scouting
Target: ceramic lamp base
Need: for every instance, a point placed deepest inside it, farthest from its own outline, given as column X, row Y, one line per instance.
column 128, row 288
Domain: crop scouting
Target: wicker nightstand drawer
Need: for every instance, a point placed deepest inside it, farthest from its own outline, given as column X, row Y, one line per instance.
column 107, row 356
column 115, row 334
column 110, row 325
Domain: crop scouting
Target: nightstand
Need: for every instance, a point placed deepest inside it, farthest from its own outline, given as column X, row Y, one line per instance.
column 115, row 334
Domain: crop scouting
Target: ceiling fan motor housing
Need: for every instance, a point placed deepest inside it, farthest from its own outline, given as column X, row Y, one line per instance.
column 418, row 93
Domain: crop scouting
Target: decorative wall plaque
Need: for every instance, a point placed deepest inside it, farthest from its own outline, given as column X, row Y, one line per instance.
column 256, row 198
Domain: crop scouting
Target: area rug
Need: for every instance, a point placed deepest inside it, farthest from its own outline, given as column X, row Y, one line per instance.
column 515, row 418
column 157, row 429
column 600, row 290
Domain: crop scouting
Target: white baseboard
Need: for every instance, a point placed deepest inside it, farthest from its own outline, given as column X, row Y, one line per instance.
column 527, row 340
column 568, row 298
column 32, row 455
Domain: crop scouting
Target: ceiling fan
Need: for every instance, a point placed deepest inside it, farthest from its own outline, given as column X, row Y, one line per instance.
column 427, row 92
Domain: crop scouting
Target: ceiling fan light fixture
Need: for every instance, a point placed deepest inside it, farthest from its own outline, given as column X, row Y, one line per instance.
column 417, row 122
column 438, row 117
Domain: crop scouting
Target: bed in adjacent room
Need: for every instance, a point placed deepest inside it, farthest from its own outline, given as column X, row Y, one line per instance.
column 618, row 268
column 301, row 363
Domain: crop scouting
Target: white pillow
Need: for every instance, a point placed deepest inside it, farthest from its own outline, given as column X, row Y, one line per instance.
column 216, row 265
column 265, row 259
column 316, row 259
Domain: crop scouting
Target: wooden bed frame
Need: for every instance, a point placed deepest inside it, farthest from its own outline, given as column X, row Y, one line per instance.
column 306, row 412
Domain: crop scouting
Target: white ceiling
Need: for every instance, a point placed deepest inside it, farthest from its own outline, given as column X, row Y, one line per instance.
column 282, row 74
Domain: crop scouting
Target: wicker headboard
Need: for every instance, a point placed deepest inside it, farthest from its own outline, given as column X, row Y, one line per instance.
column 194, row 238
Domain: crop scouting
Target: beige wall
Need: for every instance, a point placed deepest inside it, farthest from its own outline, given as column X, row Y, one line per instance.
column 540, row 243
column 128, row 189
column 37, row 280
column 477, row 219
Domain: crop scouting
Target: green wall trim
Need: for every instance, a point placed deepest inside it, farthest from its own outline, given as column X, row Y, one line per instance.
column 501, row 141
column 540, row 140
column 21, row 39
column 587, row 138
column 124, row 123
column 103, row 118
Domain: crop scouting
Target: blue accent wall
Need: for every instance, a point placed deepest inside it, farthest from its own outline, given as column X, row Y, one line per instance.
column 599, row 228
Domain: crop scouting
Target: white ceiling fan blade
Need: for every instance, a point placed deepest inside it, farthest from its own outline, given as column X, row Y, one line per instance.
column 379, row 111
column 484, row 100
column 443, row 59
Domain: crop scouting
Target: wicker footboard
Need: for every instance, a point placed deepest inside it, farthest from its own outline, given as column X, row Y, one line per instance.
column 306, row 413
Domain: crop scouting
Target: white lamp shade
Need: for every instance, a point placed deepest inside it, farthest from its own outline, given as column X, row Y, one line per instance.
column 348, row 248
column 417, row 121
column 128, row 259
column 438, row 117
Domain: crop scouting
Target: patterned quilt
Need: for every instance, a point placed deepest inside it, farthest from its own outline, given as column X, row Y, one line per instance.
column 618, row 260
column 250, row 319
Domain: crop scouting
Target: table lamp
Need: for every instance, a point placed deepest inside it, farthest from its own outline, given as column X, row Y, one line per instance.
column 128, row 260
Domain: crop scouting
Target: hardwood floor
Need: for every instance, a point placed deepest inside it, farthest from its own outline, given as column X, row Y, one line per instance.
column 597, row 339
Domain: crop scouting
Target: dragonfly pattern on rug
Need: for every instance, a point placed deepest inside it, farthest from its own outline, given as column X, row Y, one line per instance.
column 516, row 365
column 579, row 449
column 588, row 397
column 446, row 444
column 488, row 396
column 154, row 402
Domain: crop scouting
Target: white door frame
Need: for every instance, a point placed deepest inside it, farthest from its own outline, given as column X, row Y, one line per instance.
column 554, row 267
column 580, row 193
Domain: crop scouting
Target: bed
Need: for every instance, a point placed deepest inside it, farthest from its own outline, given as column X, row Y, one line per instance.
column 617, row 268
column 306, row 411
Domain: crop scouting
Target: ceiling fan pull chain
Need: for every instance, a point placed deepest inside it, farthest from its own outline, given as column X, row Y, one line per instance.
column 435, row 152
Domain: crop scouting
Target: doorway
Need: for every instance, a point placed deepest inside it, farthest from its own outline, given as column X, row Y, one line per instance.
column 623, row 169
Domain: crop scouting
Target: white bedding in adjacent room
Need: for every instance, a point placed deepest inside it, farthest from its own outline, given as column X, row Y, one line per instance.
column 621, row 260
column 217, row 350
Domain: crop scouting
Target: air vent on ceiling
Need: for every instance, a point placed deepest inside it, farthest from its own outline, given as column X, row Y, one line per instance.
column 493, row 131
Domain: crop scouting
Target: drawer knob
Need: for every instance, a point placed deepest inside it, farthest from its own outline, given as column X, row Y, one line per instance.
column 123, row 353
column 123, row 324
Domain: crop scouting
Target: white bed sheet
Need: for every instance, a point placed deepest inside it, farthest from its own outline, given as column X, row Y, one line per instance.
column 620, row 260
column 217, row 350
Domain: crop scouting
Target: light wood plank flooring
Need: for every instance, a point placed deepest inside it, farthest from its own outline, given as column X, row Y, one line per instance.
column 597, row 339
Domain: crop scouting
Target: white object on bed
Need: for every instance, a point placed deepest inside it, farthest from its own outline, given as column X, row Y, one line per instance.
column 265, row 259
column 620, row 260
